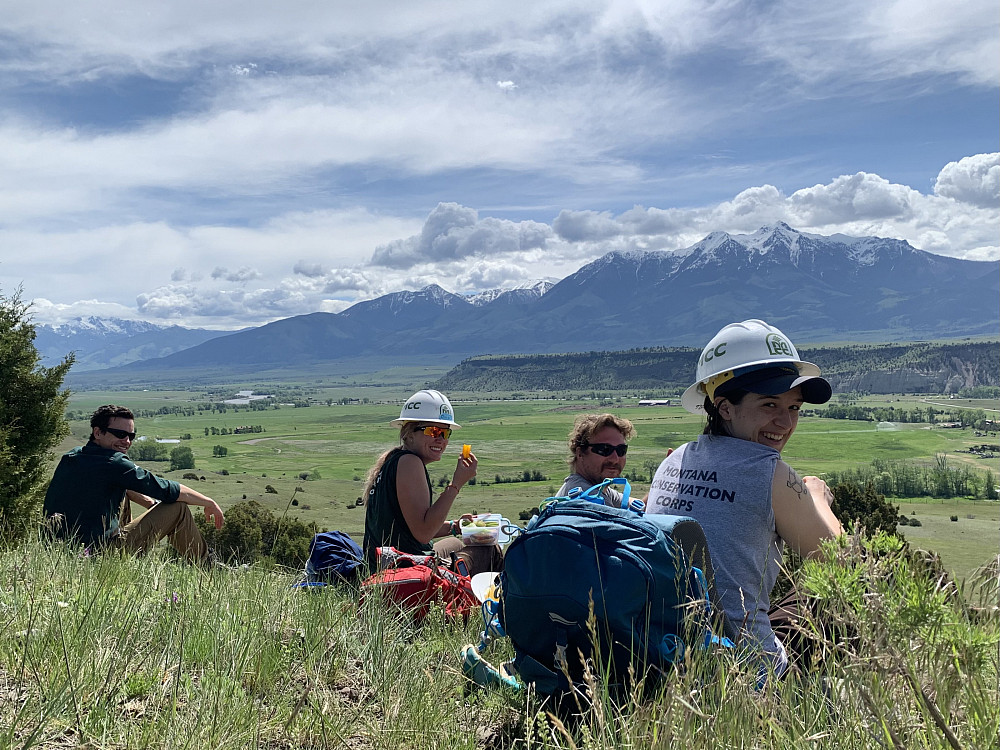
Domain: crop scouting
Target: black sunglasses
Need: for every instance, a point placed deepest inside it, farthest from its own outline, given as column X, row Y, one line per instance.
column 606, row 449
column 120, row 434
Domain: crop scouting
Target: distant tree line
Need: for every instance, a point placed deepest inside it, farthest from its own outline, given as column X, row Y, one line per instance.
column 966, row 417
column 242, row 430
column 980, row 391
column 899, row 479
column 525, row 476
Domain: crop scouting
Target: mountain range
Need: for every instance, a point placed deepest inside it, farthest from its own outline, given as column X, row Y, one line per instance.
column 815, row 288
column 100, row 343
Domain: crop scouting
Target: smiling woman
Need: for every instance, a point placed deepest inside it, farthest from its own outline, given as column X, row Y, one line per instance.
column 401, row 510
column 751, row 384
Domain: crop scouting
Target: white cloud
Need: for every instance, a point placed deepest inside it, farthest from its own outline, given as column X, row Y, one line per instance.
column 453, row 232
column 823, row 44
column 299, row 148
column 860, row 204
column 483, row 275
column 974, row 179
column 855, row 197
column 311, row 270
column 576, row 226
column 243, row 275
column 53, row 313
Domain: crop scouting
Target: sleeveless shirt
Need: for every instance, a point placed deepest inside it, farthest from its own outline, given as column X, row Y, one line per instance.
column 725, row 484
column 384, row 522
column 611, row 496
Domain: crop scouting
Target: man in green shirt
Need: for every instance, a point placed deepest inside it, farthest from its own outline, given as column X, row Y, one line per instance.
column 88, row 498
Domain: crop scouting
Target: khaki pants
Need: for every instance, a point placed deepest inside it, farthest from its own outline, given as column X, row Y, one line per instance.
column 479, row 558
column 171, row 520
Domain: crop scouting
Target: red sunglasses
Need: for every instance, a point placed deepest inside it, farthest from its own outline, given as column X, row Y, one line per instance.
column 435, row 431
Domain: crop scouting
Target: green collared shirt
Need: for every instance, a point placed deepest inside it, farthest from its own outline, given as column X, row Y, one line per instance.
column 88, row 488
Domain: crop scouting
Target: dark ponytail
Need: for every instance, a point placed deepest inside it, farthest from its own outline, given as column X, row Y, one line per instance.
column 715, row 424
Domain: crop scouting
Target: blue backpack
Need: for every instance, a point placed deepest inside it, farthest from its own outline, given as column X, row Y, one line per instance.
column 333, row 557
column 644, row 576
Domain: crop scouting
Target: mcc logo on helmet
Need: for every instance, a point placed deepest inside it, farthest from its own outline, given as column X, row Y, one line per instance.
column 427, row 406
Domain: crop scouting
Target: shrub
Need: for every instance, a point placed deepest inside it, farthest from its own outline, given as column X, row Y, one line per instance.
column 915, row 522
column 270, row 490
column 252, row 533
column 853, row 503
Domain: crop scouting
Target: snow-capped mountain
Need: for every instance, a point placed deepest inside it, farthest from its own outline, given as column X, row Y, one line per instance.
column 522, row 293
column 111, row 342
column 814, row 288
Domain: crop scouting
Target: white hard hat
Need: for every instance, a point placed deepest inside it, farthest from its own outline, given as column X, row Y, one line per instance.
column 741, row 348
column 427, row 406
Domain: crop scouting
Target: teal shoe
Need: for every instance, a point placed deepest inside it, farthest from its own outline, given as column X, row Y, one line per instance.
column 484, row 674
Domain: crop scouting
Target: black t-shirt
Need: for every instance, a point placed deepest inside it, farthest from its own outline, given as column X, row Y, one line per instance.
column 384, row 522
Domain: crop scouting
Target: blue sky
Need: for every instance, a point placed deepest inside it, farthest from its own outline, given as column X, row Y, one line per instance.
column 225, row 164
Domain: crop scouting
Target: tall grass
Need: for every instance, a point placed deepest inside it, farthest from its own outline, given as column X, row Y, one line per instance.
column 120, row 652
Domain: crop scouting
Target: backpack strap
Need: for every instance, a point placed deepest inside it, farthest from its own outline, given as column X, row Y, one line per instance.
column 546, row 681
column 595, row 495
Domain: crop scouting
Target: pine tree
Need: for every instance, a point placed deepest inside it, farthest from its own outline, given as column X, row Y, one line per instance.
column 32, row 417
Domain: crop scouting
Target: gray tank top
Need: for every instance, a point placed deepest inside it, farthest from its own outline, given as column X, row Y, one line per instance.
column 611, row 496
column 725, row 484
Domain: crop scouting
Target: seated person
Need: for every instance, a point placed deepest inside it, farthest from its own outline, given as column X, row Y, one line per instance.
column 401, row 510
column 88, row 498
column 597, row 446
column 751, row 385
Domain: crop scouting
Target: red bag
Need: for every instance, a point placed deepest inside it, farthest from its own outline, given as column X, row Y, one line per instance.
column 416, row 585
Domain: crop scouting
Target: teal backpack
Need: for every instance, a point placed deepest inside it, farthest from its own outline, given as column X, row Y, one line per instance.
column 644, row 577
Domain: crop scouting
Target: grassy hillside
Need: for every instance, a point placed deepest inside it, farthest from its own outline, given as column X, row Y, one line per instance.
column 119, row 652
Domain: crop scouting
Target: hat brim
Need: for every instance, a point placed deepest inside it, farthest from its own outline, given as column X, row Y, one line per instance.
column 815, row 390
column 693, row 398
column 483, row 584
column 401, row 422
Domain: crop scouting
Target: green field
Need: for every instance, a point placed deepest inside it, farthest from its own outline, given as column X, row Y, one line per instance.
column 340, row 442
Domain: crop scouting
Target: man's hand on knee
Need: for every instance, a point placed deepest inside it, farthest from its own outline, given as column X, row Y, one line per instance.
column 213, row 513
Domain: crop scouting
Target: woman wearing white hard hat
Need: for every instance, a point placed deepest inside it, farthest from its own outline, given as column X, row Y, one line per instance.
column 751, row 384
column 401, row 510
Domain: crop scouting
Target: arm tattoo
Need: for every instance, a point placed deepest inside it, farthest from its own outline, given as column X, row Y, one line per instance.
column 796, row 484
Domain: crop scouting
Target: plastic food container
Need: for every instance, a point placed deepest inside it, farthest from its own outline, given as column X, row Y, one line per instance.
column 484, row 529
